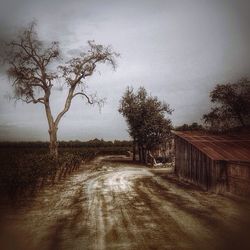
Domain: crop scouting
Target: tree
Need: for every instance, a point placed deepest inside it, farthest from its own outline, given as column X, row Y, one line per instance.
column 34, row 74
column 146, row 119
column 232, row 106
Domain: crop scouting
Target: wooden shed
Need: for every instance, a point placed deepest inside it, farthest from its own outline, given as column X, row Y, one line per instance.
column 216, row 162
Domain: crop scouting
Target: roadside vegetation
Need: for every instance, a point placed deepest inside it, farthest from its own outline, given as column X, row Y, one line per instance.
column 28, row 166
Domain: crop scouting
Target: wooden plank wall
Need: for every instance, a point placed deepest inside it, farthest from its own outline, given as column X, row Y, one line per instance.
column 239, row 178
column 219, row 176
column 192, row 164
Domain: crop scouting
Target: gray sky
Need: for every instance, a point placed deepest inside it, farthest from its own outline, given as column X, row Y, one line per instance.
column 177, row 50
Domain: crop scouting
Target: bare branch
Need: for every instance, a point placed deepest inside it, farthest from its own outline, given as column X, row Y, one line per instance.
column 81, row 67
column 85, row 95
column 66, row 106
column 33, row 100
column 29, row 69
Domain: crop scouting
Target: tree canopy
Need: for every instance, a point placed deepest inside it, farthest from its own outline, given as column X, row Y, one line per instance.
column 231, row 106
column 146, row 118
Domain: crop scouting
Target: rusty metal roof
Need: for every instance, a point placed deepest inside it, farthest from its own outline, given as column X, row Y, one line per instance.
column 234, row 147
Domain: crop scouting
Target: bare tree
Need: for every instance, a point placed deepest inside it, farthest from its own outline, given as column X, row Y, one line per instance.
column 33, row 73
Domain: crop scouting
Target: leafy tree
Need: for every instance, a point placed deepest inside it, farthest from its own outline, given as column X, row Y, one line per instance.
column 146, row 119
column 232, row 106
column 35, row 70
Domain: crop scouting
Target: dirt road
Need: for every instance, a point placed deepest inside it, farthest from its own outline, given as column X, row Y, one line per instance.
column 117, row 205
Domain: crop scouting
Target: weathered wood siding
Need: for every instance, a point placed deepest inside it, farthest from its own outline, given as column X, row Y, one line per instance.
column 239, row 178
column 219, row 176
column 220, row 163
column 192, row 164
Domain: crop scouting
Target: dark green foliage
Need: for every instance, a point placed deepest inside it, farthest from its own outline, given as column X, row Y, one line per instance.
column 146, row 118
column 232, row 106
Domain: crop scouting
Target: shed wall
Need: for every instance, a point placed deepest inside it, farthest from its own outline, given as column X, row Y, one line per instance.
column 192, row 164
column 219, row 176
column 239, row 178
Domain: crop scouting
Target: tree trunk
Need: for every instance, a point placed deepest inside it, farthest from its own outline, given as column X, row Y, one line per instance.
column 140, row 153
column 153, row 161
column 134, row 150
column 53, row 141
column 241, row 120
column 53, row 147
column 146, row 156
column 143, row 152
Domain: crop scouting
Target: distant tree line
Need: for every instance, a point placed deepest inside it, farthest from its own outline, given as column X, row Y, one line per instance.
column 68, row 144
column 193, row 127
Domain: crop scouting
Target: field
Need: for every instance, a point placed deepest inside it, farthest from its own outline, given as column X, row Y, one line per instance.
column 26, row 167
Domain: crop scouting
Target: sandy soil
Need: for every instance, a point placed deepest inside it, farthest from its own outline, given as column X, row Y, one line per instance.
column 112, row 204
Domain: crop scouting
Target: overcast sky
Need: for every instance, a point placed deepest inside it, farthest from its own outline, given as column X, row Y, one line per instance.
column 177, row 50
